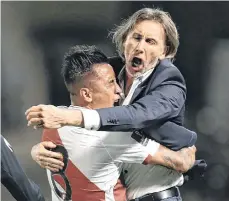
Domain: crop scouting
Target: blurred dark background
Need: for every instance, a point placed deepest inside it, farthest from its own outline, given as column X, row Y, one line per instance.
column 35, row 35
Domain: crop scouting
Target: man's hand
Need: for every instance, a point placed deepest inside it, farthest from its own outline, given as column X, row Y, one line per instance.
column 180, row 161
column 188, row 156
column 45, row 158
column 49, row 116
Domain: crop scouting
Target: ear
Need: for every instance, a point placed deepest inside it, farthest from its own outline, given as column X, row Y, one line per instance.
column 86, row 94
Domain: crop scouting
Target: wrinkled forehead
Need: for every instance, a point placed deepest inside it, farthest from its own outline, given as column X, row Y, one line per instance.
column 149, row 28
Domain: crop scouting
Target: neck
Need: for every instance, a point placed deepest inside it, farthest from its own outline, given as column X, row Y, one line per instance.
column 82, row 104
column 129, row 78
column 128, row 83
column 88, row 106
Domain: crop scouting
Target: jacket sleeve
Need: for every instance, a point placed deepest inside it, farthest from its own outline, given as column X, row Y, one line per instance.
column 160, row 104
column 14, row 178
column 171, row 135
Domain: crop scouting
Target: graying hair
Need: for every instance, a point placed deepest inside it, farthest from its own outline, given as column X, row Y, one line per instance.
column 172, row 38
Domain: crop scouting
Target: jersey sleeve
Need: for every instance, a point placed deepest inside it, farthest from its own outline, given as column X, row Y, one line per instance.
column 129, row 147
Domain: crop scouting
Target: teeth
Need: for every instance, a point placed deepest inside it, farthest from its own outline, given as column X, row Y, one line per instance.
column 136, row 62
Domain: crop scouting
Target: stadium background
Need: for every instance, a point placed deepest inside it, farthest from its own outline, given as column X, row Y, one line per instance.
column 35, row 35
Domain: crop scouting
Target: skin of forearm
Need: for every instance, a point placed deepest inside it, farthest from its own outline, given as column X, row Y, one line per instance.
column 72, row 118
column 180, row 161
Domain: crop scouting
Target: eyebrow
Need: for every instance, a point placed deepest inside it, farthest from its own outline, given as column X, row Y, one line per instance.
column 148, row 37
column 139, row 33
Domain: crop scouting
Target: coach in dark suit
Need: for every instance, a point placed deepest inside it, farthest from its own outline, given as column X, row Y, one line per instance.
column 154, row 88
column 163, row 109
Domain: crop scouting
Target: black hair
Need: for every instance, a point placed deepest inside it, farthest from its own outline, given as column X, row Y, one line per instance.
column 79, row 60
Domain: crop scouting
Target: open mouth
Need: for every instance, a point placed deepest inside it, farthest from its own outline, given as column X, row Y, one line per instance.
column 116, row 100
column 136, row 62
column 118, row 96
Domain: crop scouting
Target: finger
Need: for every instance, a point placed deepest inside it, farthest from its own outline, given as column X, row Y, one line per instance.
column 31, row 115
column 38, row 126
column 55, row 166
column 35, row 122
column 51, row 165
column 51, row 154
column 43, row 152
column 192, row 148
column 41, row 165
column 33, row 109
column 46, row 160
column 52, row 169
column 48, row 144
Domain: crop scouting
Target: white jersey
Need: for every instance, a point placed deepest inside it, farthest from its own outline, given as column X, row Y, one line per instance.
column 145, row 179
column 95, row 160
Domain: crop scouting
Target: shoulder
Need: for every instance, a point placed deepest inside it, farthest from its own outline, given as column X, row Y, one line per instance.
column 166, row 70
column 166, row 66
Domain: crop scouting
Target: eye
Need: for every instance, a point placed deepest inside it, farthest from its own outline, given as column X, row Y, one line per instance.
column 151, row 41
column 112, row 81
column 137, row 37
column 72, row 94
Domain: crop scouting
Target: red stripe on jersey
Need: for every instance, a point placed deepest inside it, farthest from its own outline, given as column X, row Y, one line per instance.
column 82, row 187
column 119, row 191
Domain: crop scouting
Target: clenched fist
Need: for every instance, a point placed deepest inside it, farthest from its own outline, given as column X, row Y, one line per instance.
column 49, row 116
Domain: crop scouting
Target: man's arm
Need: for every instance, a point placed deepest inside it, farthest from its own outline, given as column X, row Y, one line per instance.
column 127, row 148
column 14, row 178
column 136, row 148
column 160, row 104
column 180, row 161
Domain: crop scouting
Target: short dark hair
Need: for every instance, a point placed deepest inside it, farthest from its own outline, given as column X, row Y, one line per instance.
column 79, row 60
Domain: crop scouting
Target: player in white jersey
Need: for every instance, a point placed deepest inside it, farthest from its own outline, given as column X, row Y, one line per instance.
column 93, row 159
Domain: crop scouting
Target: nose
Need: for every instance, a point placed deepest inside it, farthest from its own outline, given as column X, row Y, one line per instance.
column 140, row 47
column 118, row 90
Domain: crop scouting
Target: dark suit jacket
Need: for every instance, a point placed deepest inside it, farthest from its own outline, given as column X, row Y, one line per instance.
column 156, row 108
column 14, row 178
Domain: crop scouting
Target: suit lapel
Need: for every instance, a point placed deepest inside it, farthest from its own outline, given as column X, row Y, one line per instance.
column 144, row 86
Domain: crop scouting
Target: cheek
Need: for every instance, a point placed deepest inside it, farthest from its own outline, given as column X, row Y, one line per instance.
column 155, row 52
column 128, row 47
column 101, row 95
column 109, row 92
column 152, row 53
